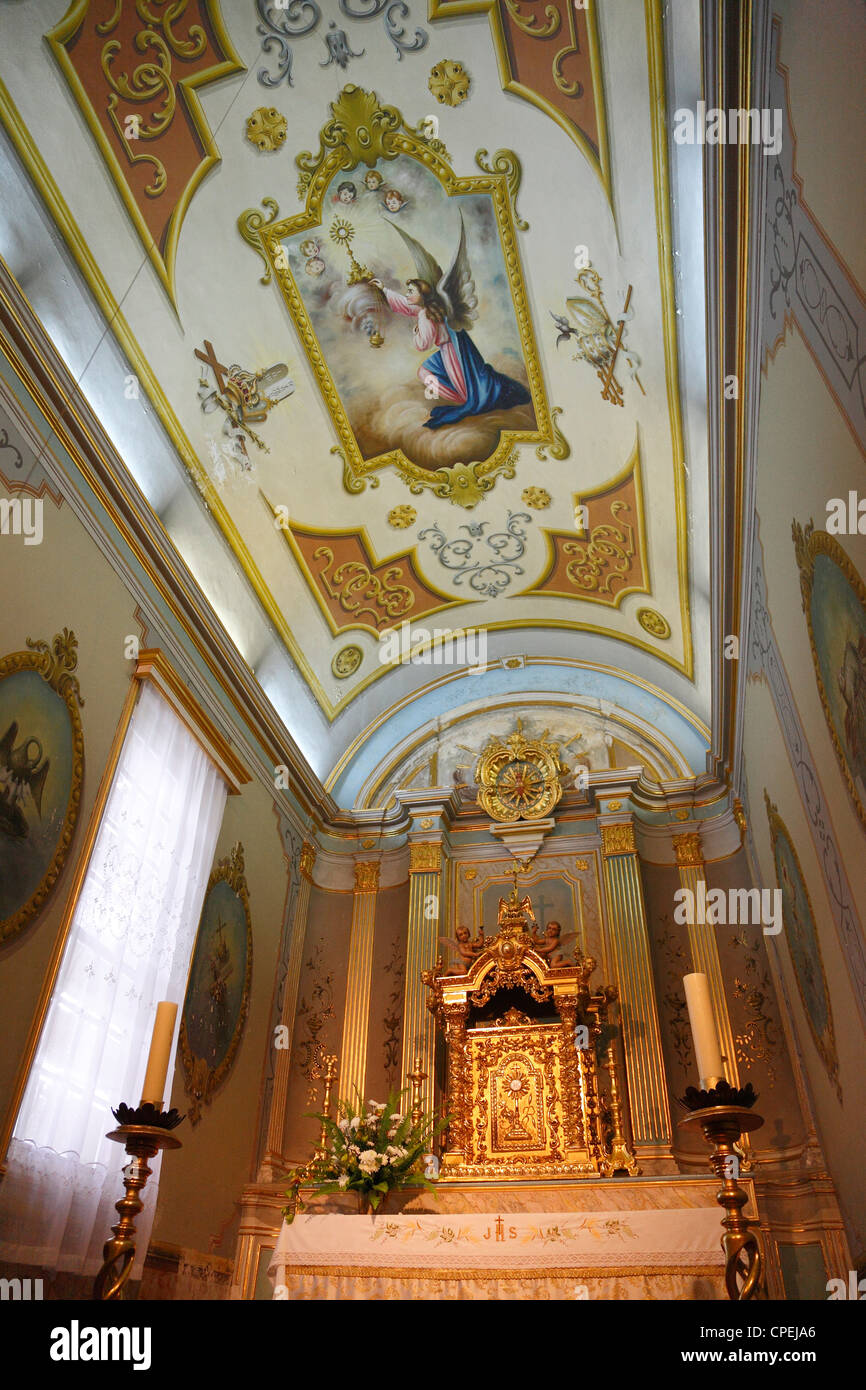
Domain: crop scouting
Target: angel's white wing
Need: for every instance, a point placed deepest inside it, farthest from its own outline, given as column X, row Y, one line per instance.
column 457, row 288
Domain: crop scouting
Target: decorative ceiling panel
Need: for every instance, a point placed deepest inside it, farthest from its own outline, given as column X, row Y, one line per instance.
column 400, row 303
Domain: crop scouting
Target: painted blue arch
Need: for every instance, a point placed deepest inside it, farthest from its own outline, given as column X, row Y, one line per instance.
column 683, row 730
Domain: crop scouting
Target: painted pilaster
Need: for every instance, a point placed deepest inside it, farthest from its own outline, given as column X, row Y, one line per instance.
column 353, row 1053
column 626, row 913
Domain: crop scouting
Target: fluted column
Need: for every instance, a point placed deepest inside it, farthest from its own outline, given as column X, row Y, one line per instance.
column 353, row 1053
column 425, row 904
column 704, row 946
column 273, row 1163
column 650, row 1114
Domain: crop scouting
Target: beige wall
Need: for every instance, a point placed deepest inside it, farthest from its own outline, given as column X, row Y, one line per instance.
column 68, row 582
column 806, row 454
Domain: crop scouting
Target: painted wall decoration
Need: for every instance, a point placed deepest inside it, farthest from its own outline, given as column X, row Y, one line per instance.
column 801, row 934
column 244, row 399
column 286, row 20
column 834, row 601
column 550, row 56
column 489, row 562
column 605, row 557
column 807, row 281
column 218, row 992
column 353, row 588
column 594, row 334
column 41, row 773
column 412, row 307
column 135, row 72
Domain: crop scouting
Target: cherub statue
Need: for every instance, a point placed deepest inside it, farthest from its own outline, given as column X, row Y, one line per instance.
column 464, row 949
column 552, row 944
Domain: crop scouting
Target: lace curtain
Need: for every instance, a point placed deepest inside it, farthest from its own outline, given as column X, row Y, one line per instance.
column 129, row 946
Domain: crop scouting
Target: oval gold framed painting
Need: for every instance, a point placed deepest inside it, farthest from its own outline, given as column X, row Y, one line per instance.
column 834, row 602
column 218, row 991
column 41, row 773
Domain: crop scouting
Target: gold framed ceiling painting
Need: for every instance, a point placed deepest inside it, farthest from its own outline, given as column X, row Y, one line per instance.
column 404, row 284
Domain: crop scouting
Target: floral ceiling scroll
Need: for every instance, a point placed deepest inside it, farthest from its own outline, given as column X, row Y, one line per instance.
column 135, row 73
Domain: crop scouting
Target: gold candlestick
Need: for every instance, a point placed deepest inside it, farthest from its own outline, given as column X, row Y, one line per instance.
column 415, row 1079
column 722, row 1126
column 118, row 1254
column 330, row 1062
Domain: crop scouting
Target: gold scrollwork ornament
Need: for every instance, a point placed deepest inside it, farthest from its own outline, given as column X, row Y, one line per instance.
column 519, row 777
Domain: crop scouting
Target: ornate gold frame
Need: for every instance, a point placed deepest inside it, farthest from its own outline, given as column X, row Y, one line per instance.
column 807, row 544
column 56, row 39
column 361, row 130
column 55, row 664
column 230, row 871
column 828, row 1056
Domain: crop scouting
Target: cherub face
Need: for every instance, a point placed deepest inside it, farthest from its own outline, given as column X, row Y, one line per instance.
column 462, row 933
column 346, row 193
column 315, row 266
column 393, row 202
column 553, row 929
column 373, row 180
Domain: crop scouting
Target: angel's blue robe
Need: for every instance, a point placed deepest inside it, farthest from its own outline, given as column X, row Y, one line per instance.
column 486, row 388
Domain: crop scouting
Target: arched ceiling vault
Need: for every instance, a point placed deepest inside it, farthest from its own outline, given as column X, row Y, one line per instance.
column 541, row 487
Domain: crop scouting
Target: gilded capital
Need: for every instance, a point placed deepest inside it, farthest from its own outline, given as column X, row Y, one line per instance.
column 425, row 857
column 367, row 877
column 618, row 839
column 308, row 858
column 688, row 850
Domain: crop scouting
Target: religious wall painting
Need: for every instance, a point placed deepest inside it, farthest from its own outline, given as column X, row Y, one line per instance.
column 834, row 602
column 41, row 773
column 135, row 71
column 218, row 991
column 590, row 329
column 801, row 935
column 404, row 284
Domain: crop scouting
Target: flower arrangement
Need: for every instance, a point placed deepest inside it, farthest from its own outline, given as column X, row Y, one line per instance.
column 369, row 1150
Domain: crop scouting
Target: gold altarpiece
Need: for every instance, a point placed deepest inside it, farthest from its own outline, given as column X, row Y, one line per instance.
column 529, row 1046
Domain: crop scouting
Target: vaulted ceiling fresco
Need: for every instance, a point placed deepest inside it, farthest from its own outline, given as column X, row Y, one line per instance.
column 401, row 284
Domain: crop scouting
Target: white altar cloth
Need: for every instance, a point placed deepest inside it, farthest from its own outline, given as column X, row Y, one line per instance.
column 673, row 1240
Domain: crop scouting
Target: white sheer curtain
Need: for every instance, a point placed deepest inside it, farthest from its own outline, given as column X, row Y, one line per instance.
column 129, row 946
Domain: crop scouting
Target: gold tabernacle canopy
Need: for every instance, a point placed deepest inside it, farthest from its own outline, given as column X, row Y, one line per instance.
column 527, row 1039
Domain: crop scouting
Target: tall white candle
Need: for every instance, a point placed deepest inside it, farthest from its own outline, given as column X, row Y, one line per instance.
column 700, row 1006
column 153, row 1089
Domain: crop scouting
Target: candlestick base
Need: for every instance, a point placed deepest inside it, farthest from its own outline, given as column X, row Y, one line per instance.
column 141, row 1143
column 722, row 1126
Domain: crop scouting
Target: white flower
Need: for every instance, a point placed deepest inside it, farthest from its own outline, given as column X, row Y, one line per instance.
column 343, row 1181
column 343, row 1125
column 369, row 1161
column 353, row 1149
column 355, row 1123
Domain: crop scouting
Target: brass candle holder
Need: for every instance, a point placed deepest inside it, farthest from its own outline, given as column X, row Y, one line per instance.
column 416, row 1078
column 722, row 1125
column 143, row 1132
column 330, row 1064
